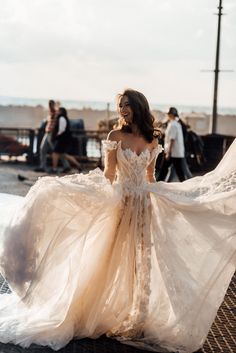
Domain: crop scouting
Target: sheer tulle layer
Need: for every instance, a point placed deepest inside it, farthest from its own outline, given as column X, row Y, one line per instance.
column 148, row 264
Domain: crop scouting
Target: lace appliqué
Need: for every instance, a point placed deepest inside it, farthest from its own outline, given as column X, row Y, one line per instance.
column 109, row 145
column 132, row 326
column 133, row 181
column 225, row 184
column 204, row 189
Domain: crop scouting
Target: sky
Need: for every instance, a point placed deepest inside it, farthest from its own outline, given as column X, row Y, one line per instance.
column 93, row 49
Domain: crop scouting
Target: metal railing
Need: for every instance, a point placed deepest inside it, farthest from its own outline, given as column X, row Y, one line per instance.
column 16, row 142
column 86, row 144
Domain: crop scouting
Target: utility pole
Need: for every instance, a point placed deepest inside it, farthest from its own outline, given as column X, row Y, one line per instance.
column 213, row 118
column 213, row 122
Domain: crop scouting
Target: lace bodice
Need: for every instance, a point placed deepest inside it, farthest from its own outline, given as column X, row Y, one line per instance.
column 128, row 168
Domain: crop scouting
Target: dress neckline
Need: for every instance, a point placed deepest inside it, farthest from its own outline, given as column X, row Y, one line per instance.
column 134, row 152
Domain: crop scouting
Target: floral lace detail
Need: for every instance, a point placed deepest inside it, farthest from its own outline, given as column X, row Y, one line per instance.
column 132, row 326
column 225, row 184
column 131, row 171
column 132, row 179
column 137, row 160
column 132, row 155
column 158, row 149
column 203, row 190
column 109, row 145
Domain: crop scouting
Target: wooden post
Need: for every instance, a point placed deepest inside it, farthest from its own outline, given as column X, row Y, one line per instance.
column 31, row 146
column 108, row 116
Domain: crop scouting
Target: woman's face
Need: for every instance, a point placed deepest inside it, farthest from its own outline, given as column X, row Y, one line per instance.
column 125, row 109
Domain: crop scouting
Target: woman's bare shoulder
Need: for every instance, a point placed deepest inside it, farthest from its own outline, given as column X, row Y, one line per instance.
column 115, row 135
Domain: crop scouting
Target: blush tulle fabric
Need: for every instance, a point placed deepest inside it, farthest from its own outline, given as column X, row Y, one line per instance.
column 145, row 263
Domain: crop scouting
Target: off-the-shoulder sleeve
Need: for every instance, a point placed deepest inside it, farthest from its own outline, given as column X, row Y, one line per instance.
column 110, row 159
column 158, row 149
column 151, row 169
column 108, row 145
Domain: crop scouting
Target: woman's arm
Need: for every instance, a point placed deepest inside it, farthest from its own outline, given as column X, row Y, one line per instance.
column 151, row 169
column 110, row 149
column 150, row 174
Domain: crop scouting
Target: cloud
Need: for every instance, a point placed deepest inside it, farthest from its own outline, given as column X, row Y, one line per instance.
column 95, row 46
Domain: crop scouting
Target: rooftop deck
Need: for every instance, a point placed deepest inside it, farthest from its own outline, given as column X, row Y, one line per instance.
column 221, row 338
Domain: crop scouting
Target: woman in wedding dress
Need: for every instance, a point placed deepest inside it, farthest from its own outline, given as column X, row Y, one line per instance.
column 117, row 253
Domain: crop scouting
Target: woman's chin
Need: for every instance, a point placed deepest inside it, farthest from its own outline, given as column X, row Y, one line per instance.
column 128, row 121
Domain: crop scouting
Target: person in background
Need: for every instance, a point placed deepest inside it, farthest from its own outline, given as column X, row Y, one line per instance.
column 47, row 145
column 174, row 151
column 185, row 130
column 62, row 141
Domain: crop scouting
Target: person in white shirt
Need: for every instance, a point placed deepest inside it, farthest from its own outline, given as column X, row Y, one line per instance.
column 173, row 147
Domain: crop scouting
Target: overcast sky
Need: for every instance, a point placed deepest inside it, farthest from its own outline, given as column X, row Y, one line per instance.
column 92, row 49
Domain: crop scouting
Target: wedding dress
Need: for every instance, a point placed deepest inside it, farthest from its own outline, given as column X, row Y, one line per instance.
column 145, row 263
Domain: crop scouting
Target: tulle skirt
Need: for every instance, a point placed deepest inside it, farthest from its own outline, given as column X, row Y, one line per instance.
column 149, row 268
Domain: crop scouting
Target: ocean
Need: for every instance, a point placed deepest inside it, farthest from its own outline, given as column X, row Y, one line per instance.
column 96, row 105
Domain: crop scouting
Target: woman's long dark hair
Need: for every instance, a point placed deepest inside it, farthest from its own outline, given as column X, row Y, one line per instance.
column 142, row 116
column 62, row 112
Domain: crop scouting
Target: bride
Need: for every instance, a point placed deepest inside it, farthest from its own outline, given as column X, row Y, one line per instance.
column 117, row 253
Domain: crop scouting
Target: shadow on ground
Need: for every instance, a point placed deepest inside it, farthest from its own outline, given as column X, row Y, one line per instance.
column 100, row 345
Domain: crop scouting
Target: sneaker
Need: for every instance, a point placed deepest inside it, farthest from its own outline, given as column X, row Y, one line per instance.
column 66, row 170
column 53, row 171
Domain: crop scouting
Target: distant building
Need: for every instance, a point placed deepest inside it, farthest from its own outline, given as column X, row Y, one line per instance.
column 198, row 122
column 226, row 124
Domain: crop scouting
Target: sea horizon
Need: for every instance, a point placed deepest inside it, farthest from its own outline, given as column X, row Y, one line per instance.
column 101, row 105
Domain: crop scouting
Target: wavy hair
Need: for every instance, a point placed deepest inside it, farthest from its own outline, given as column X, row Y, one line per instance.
column 62, row 112
column 142, row 116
